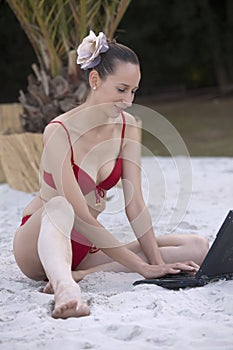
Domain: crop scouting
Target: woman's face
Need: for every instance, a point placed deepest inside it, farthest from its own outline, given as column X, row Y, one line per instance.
column 118, row 89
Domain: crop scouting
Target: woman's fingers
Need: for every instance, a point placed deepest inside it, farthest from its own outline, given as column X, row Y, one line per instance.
column 185, row 266
column 154, row 271
column 189, row 267
column 192, row 263
column 173, row 271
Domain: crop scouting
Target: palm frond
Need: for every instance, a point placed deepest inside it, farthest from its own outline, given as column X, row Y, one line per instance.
column 54, row 27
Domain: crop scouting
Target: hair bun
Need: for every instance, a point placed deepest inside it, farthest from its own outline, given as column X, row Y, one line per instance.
column 90, row 49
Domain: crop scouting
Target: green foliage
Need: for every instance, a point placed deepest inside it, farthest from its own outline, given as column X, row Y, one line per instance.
column 181, row 42
column 54, row 28
column 16, row 55
column 176, row 40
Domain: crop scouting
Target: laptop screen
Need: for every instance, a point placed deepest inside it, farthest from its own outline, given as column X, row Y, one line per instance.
column 219, row 260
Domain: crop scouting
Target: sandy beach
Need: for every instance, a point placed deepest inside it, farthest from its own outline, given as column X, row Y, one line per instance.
column 123, row 316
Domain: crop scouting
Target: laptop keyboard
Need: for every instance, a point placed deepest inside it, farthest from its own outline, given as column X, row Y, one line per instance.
column 178, row 277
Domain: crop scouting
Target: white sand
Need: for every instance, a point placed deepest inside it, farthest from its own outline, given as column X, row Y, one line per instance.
column 123, row 316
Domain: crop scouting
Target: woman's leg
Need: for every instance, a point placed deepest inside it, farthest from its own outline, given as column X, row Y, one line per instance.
column 25, row 248
column 183, row 247
column 174, row 248
column 50, row 255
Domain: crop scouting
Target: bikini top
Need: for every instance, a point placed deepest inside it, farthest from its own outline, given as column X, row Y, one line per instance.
column 86, row 183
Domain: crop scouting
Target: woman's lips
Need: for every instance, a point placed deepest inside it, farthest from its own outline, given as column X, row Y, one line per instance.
column 119, row 109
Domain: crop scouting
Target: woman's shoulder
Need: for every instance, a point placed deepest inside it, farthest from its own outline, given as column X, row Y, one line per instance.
column 54, row 129
column 133, row 121
column 49, row 130
column 130, row 119
column 60, row 123
column 133, row 126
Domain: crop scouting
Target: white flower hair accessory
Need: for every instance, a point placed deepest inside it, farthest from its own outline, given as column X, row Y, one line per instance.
column 90, row 49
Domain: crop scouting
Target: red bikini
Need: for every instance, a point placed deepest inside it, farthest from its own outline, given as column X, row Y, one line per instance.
column 86, row 183
column 81, row 246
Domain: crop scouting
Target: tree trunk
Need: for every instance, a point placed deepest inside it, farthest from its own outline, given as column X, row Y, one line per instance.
column 215, row 42
column 229, row 38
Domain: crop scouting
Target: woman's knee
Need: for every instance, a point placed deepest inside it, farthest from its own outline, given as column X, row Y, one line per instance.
column 59, row 203
column 200, row 248
column 59, row 212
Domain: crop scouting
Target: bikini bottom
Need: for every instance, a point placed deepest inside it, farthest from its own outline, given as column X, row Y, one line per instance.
column 80, row 245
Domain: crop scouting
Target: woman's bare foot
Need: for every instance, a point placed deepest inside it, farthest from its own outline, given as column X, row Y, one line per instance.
column 48, row 289
column 78, row 275
column 68, row 302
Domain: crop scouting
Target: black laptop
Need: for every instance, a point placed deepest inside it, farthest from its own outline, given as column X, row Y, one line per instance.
column 218, row 263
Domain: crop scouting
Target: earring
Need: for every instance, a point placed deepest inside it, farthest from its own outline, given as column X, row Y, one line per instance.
column 94, row 88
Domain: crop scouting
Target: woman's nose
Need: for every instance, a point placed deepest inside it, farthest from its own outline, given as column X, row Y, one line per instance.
column 128, row 103
column 128, row 100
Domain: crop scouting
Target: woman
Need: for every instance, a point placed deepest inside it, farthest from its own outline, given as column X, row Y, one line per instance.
column 86, row 151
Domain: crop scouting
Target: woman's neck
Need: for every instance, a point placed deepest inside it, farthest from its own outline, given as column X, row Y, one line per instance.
column 88, row 116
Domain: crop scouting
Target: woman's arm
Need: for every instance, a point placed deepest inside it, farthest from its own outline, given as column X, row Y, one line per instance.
column 56, row 160
column 136, row 209
column 142, row 226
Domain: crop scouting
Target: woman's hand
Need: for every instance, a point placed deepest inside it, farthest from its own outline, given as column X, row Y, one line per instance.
column 153, row 271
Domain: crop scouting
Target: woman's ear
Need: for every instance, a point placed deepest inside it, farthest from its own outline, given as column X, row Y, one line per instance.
column 94, row 79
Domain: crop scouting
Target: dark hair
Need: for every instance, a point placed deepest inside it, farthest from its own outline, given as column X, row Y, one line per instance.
column 116, row 52
column 107, row 65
